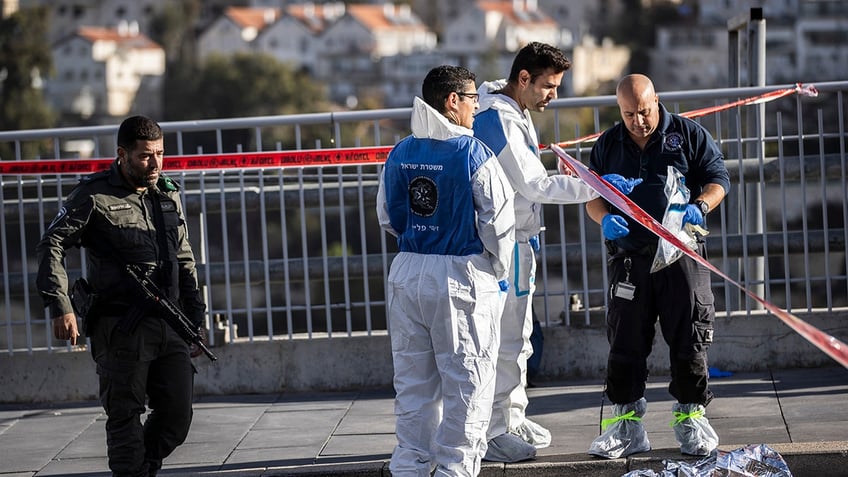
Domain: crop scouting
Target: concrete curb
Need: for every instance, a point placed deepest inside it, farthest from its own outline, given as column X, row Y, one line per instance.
column 805, row 459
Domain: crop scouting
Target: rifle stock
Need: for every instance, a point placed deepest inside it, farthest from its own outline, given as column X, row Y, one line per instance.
column 172, row 314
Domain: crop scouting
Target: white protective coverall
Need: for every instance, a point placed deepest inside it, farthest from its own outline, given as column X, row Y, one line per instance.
column 446, row 199
column 510, row 133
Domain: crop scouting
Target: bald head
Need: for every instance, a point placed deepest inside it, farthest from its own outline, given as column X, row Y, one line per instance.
column 635, row 86
column 639, row 106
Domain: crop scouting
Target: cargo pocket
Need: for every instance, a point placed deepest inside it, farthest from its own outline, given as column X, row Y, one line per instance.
column 703, row 320
column 120, row 356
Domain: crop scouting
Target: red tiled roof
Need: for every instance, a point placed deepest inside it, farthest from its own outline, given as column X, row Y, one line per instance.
column 522, row 16
column 374, row 17
column 255, row 17
column 316, row 17
column 135, row 40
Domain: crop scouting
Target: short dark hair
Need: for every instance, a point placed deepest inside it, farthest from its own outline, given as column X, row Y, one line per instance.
column 442, row 81
column 138, row 128
column 537, row 58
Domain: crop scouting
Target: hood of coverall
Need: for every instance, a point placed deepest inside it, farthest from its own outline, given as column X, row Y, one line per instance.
column 429, row 123
column 490, row 99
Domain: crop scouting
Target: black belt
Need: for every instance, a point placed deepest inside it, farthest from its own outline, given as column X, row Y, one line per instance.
column 615, row 251
column 112, row 309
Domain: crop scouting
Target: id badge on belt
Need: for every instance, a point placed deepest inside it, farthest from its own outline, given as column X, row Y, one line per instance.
column 624, row 289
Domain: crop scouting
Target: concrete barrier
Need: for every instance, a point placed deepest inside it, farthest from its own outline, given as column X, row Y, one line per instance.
column 742, row 343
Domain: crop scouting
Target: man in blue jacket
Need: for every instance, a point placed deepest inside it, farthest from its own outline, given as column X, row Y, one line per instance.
column 444, row 196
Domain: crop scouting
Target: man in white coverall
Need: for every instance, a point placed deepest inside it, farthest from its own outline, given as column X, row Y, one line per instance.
column 444, row 196
column 505, row 125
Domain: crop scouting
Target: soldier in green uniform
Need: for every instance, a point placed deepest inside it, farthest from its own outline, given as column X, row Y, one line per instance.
column 130, row 214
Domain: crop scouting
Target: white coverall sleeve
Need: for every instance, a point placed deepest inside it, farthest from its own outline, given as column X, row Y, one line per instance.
column 528, row 176
column 493, row 199
column 382, row 207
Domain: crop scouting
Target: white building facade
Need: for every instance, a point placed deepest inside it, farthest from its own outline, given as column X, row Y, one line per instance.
column 106, row 73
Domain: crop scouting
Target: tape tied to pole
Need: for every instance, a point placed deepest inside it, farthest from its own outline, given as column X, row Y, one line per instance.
column 833, row 347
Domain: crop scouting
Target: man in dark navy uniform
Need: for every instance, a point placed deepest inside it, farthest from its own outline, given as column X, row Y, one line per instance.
column 648, row 140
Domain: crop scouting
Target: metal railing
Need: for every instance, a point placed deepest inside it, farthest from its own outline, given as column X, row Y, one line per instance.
column 297, row 251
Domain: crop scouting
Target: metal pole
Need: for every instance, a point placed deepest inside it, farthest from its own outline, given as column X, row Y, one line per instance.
column 756, row 125
column 750, row 219
column 734, row 135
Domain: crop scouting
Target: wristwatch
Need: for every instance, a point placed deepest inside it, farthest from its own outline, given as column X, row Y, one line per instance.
column 704, row 206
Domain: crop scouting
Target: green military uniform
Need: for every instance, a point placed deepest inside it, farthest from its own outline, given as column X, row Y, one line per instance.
column 137, row 354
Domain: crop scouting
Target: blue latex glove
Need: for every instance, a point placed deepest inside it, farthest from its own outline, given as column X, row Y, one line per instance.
column 693, row 215
column 614, row 227
column 504, row 285
column 534, row 243
column 625, row 186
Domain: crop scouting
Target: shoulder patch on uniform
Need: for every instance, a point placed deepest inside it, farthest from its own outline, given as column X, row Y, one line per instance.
column 168, row 206
column 62, row 212
column 167, row 184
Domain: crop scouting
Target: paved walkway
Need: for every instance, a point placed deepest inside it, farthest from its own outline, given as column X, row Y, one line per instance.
column 800, row 413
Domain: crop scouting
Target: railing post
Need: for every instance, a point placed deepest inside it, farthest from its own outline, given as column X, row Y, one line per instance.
column 751, row 222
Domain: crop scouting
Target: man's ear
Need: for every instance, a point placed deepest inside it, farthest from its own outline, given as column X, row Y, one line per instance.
column 524, row 78
column 451, row 102
column 452, row 99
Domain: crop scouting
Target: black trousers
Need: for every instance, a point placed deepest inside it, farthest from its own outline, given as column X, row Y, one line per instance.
column 150, row 364
column 679, row 296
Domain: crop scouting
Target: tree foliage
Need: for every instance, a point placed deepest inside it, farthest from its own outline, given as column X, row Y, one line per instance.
column 636, row 28
column 24, row 58
column 174, row 28
column 252, row 84
column 244, row 85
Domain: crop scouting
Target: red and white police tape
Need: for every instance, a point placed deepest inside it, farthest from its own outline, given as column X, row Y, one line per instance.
column 825, row 342
column 371, row 155
column 309, row 157
column 248, row 160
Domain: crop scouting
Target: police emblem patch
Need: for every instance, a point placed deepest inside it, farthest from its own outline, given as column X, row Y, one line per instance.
column 673, row 141
column 62, row 212
column 423, row 196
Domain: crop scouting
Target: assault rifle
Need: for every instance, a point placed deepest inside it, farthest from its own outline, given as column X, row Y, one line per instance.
column 172, row 314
